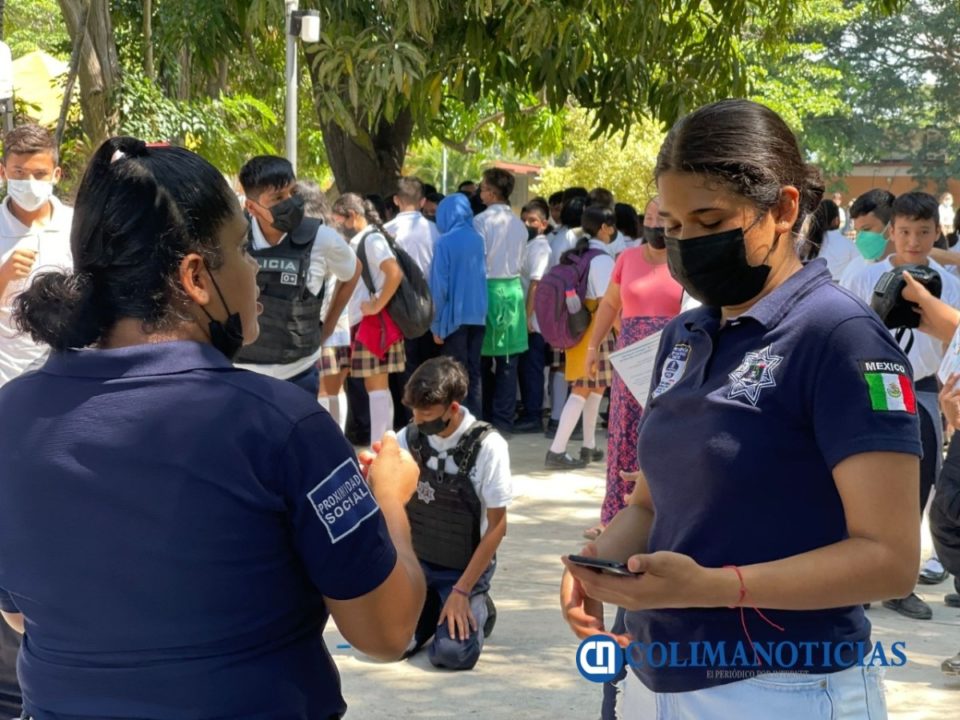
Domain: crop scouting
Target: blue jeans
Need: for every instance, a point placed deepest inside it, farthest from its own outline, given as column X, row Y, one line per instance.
column 500, row 390
column 309, row 380
column 445, row 651
column 532, row 363
column 852, row 694
column 464, row 345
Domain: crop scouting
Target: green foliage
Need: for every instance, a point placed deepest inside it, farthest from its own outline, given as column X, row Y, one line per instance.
column 35, row 25
column 622, row 164
column 425, row 160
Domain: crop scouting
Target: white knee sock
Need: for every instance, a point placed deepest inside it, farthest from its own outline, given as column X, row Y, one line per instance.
column 568, row 421
column 591, row 410
column 338, row 409
column 381, row 413
column 558, row 394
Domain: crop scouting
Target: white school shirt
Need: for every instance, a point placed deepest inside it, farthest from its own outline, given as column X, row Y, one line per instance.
column 491, row 476
column 330, row 253
column 417, row 236
column 601, row 270
column 504, row 241
column 535, row 266
column 18, row 351
column 377, row 251
column 927, row 352
column 839, row 252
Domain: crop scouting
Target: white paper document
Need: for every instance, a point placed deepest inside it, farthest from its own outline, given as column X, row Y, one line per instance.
column 635, row 365
column 951, row 359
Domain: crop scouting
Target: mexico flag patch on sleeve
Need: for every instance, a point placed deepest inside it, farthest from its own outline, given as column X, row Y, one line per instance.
column 889, row 385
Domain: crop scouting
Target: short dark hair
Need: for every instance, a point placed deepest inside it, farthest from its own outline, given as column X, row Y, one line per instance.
column 428, row 188
column 266, row 172
column 556, row 198
column 602, row 197
column 410, row 190
column 462, row 185
column 539, row 206
column 747, row 148
column 440, row 381
column 876, row 201
column 500, row 180
column 139, row 211
column 628, row 222
column 29, row 140
column 572, row 213
column 596, row 216
column 917, row 206
column 435, row 197
column 574, row 192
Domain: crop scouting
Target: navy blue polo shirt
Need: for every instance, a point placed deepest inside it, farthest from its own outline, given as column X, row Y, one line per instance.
column 738, row 444
column 169, row 526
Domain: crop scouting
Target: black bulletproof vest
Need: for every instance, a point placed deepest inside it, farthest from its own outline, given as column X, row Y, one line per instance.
column 290, row 325
column 444, row 513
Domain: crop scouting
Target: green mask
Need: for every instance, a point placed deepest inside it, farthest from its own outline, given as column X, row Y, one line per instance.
column 871, row 244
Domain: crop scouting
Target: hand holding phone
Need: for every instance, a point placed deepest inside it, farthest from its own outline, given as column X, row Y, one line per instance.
column 610, row 567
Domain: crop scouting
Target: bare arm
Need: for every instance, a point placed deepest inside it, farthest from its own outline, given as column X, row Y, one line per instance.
column 342, row 293
column 483, row 555
column 878, row 560
column 382, row 622
column 607, row 313
column 393, row 274
column 945, row 257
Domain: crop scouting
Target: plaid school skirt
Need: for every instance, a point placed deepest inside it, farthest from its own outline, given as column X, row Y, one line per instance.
column 333, row 360
column 364, row 364
column 604, row 377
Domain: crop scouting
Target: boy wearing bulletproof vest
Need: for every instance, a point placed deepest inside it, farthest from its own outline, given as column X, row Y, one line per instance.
column 459, row 514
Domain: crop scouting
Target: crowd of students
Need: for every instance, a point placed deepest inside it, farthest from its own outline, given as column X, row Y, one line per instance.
column 176, row 285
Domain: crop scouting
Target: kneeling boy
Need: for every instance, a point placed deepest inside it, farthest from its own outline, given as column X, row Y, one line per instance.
column 459, row 514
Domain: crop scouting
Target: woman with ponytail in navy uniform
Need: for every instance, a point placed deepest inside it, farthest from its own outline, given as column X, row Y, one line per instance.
column 174, row 531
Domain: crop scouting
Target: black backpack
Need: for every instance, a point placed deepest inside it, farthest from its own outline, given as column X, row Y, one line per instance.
column 411, row 306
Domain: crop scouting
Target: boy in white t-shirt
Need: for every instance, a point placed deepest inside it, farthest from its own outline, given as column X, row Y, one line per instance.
column 458, row 516
column 536, row 262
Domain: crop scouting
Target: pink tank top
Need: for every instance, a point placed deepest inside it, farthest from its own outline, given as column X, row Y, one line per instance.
column 645, row 290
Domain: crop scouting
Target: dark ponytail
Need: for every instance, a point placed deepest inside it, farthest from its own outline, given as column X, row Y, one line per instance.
column 745, row 146
column 364, row 207
column 822, row 220
column 140, row 210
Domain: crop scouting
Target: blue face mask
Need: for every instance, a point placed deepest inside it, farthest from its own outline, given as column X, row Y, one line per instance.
column 871, row 244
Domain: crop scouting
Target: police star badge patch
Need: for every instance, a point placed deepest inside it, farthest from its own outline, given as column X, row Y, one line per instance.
column 753, row 375
column 425, row 492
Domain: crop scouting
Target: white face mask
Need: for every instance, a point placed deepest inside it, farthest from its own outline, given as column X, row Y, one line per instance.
column 30, row 194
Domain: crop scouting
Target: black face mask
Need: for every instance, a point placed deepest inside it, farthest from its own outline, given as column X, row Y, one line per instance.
column 288, row 215
column 532, row 233
column 435, row 426
column 227, row 337
column 653, row 236
column 714, row 268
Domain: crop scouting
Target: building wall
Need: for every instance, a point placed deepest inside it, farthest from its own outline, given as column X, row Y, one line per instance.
column 895, row 178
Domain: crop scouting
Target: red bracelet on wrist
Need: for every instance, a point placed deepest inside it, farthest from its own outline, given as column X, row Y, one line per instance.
column 458, row 591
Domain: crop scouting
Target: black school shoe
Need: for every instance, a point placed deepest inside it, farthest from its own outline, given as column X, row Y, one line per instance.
column 528, row 426
column 562, row 461
column 589, row 455
column 951, row 666
column 932, row 573
column 911, row 606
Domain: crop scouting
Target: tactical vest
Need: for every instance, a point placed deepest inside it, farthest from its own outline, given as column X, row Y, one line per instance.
column 445, row 512
column 290, row 324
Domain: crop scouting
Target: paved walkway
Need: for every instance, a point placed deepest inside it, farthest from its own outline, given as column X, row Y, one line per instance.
column 527, row 669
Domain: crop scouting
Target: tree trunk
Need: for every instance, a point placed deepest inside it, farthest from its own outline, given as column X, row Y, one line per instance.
column 355, row 169
column 99, row 69
column 148, row 68
column 3, row 7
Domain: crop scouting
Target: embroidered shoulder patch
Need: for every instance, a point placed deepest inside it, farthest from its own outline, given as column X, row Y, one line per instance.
column 673, row 368
column 342, row 501
column 889, row 386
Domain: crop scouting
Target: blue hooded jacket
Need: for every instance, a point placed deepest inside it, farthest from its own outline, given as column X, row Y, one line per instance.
column 458, row 275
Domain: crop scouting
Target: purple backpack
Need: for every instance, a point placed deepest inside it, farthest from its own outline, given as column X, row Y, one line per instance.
column 560, row 326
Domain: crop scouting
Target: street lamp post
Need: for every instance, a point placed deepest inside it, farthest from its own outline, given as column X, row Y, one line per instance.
column 300, row 25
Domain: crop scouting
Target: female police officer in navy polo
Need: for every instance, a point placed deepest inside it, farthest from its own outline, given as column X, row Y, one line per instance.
column 174, row 532
column 778, row 455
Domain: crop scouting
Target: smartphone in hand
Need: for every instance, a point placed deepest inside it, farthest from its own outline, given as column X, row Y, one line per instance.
column 610, row 567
